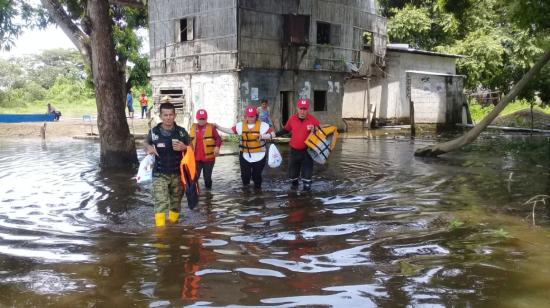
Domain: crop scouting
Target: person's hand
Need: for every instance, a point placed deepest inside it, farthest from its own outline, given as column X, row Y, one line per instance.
column 151, row 150
column 178, row 146
column 309, row 127
column 266, row 137
column 216, row 151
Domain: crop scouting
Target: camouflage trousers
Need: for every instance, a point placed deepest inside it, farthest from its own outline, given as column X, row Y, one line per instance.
column 167, row 192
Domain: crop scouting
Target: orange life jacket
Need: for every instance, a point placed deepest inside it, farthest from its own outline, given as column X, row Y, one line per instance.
column 250, row 142
column 188, row 168
column 208, row 140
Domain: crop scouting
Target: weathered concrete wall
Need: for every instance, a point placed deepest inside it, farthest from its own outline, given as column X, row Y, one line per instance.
column 258, row 84
column 212, row 46
column 429, row 96
column 217, row 93
column 393, row 103
column 261, row 33
column 389, row 92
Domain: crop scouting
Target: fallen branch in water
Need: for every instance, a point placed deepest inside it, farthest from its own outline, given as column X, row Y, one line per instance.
column 534, row 201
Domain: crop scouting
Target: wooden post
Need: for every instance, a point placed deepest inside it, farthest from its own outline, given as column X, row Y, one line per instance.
column 413, row 128
column 43, row 131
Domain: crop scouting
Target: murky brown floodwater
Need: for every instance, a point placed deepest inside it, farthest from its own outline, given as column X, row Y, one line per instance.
column 381, row 228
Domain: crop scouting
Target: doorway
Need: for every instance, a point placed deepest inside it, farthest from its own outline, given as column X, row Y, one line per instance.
column 286, row 106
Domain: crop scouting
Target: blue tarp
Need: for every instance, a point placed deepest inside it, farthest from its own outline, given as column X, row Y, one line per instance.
column 38, row 117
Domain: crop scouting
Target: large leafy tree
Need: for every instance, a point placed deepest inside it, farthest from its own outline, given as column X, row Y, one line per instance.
column 102, row 31
column 499, row 49
column 532, row 18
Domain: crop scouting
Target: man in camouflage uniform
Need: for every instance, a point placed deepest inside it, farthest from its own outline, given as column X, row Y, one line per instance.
column 167, row 141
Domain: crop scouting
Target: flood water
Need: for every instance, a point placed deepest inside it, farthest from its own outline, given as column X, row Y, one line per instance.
column 381, row 228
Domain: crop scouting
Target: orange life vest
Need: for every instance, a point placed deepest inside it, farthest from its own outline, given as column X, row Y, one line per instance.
column 250, row 142
column 208, row 140
column 188, row 169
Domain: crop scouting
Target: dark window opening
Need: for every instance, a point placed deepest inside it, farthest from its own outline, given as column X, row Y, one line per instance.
column 368, row 41
column 320, row 101
column 296, row 29
column 323, row 33
column 183, row 30
column 172, row 92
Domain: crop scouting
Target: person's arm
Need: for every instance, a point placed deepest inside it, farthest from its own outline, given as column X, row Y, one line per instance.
column 231, row 131
column 218, row 141
column 285, row 130
column 149, row 147
column 186, row 138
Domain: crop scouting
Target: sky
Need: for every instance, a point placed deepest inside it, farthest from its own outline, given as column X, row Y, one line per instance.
column 32, row 42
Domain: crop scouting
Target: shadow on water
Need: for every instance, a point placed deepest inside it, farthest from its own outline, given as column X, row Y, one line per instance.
column 380, row 228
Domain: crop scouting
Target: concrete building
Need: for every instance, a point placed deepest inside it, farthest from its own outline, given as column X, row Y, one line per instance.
column 223, row 55
column 416, row 87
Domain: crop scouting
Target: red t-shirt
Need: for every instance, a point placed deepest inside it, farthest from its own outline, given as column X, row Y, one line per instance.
column 199, row 148
column 299, row 130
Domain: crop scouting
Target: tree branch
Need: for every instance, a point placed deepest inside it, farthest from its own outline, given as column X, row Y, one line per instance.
column 73, row 32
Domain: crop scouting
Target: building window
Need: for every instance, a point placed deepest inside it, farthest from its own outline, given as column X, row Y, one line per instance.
column 184, row 29
column 368, row 40
column 296, row 29
column 320, row 101
column 323, row 33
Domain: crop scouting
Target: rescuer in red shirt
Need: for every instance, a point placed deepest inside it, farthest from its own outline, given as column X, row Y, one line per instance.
column 299, row 125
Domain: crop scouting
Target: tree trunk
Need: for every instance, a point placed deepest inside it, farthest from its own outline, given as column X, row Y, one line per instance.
column 117, row 145
column 471, row 135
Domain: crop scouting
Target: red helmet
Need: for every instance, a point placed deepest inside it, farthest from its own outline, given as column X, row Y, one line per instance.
column 201, row 114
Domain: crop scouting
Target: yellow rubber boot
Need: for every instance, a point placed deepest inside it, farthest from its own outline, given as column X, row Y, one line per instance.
column 173, row 216
column 160, row 219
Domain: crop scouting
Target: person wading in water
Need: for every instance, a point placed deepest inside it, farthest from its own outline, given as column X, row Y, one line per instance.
column 167, row 141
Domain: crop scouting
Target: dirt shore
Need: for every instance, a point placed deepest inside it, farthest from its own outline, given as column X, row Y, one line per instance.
column 65, row 127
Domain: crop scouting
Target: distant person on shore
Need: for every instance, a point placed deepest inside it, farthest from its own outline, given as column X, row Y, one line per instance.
column 264, row 113
column 130, row 104
column 143, row 101
column 55, row 112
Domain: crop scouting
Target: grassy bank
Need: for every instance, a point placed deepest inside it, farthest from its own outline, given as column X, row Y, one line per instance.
column 478, row 112
column 67, row 108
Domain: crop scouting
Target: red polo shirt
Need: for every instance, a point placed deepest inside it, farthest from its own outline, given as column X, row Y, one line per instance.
column 299, row 130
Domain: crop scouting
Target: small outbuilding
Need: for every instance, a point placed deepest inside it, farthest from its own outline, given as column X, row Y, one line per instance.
column 415, row 86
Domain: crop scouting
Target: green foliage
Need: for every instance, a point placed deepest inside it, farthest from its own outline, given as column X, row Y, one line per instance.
column 455, row 223
column 422, row 27
column 500, row 233
column 10, row 73
column 54, row 76
column 484, row 58
column 501, row 39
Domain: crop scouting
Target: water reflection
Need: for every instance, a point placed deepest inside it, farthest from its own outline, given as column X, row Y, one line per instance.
column 381, row 228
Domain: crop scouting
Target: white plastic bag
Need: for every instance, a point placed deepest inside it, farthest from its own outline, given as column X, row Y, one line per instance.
column 145, row 171
column 275, row 159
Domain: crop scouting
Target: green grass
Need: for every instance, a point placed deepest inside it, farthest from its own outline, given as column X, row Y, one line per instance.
column 478, row 112
column 68, row 109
